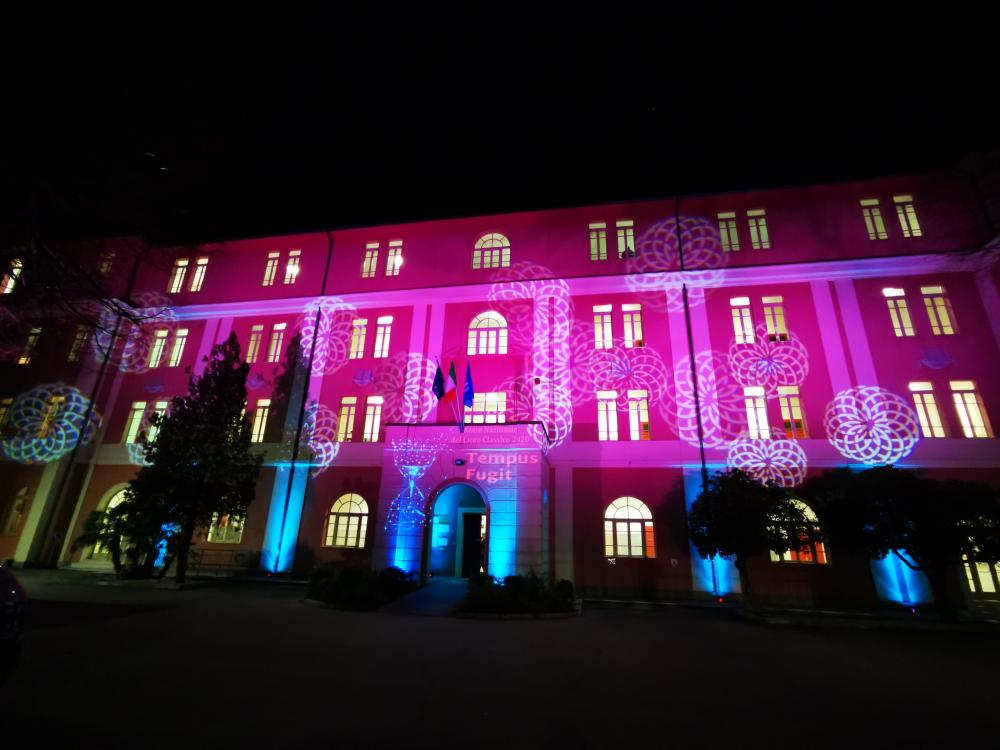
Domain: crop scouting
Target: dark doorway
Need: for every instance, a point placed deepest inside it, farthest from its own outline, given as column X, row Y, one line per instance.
column 472, row 544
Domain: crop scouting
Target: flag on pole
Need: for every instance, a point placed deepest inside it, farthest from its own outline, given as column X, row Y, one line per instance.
column 450, row 385
column 438, row 387
column 469, row 394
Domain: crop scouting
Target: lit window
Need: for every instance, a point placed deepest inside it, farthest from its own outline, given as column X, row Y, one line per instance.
column 5, row 405
column 982, row 577
column 382, row 333
column 487, row 408
column 134, row 424
column 30, row 344
column 491, row 251
column 628, row 529
column 260, row 420
column 177, row 351
column 395, row 260
column 16, row 513
column 898, row 311
column 873, row 219
column 271, row 269
column 939, row 310
column 51, row 412
column 727, row 232
column 759, row 238
column 373, row 419
column 757, row 425
column 907, row 215
column 599, row 241
column 607, row 415
column 488, row 334
column 970, row 409
column 371, row 261
column 927, row 409
column 602, row 327
column 159, row 344
column 810, row 547
column 626, row 238
column 79, row 342
column 638, row 415
column 742, row 320
column 633, row 325
column 774, row 318
column 253, row 346
column 199, row 274
column 347, row 522
column 226, row 528
column 791, row 412
column 177, row 275
column 10, row 276
column 277, row 339
column 345, row 424
column 160, row 410
column 292, row 266
column 106, row 261
column 359, row 330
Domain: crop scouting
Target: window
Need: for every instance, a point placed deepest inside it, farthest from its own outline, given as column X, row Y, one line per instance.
column 982, row 577
column 907, row 215
column 757, row 425
column 602, row 327
column 347, row 523
column 371, row 261
column 395, row 260
column 359, row 329
column 99, row 550
column 271, row 269
column 939, row 311
column 487, row 408
column 927, row 409
column 11, row 275
column 226, row 528
column 491, row 251
column 633, row 325
column 5, row 405
column 345, row 425
column 383, row 331
column 488, row 334
column 970, row 409
column 598, row 241
column 160, row 410
column 759, row 238
column 607, row 415
column 727, row 232
column 373, row 419
column 809, row 538
column 159, row 344
column 177, row 351
column 873, row 219
column 626, row 238
column 898, row 311
column 134, row 424
column 79, row 342
column 292, row 266
column 277, row 339
column 253, row 346
column 638, row 415
column 201, row 265
column 742, row 320
column 177, row 275
column 29, row 346
column 107, row 260
column 774, row 319
column 260, row 420
column 791, row 412
column 51, row 412
column 628, row 529
column 16, row 512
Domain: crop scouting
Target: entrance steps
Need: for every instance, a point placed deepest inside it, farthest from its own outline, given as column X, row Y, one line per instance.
column 439, row 598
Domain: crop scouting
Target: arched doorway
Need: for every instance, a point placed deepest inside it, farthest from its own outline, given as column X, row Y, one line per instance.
column 458, row 533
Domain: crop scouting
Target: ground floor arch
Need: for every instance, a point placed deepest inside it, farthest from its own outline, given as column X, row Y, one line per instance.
column 457, row 532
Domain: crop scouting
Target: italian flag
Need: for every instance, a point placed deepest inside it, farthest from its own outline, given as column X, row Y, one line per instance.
column 446, row 391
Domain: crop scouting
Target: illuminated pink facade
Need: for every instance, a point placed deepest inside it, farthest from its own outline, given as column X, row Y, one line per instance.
column 617, row 352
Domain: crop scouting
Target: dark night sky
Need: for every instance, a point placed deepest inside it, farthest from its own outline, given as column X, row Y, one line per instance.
column 267, row 121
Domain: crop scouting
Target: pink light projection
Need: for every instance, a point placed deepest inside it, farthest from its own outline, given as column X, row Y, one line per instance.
column 871, row 425
column 404, row 381
column 769, row 363
column 623, row 369
column 332, row 333
column 130, row 350
column 320, row 433
column 412, row 459
column 780, row 461
column 722, row 410
column 544, row 401
column 46, row 422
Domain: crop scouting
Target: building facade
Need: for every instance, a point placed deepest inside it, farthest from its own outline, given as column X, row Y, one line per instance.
column 616, row 354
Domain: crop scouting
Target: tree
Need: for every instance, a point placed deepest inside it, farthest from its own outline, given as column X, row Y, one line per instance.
column 735, row 515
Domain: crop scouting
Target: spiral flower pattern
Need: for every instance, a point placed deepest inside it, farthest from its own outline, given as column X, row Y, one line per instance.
column 769, row 363
column 723, row 416
column 320, row 432
column 780, row 461
column 404, row 381
column 331, row 334
column 544, row 401
column 46, row 423
column 871, row 425
column 129, row 350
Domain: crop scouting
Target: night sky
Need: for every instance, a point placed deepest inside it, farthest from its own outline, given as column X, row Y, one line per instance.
column 190, row 124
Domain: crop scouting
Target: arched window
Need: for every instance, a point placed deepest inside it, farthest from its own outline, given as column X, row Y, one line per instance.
column 811, row 548
column 16, row 512
column 347, row 524
column 628, row 529
column 492, row 251
column 100, row 551
column 488, row 334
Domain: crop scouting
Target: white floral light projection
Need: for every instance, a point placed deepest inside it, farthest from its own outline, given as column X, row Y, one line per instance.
column 319, row 432
column 130, row 350
column 871, row 425
column 723, row 414
column 542, row 400
column 780, row 461
column 623, row 369
column 769, row 363
column 137, row 454
column 44, row 424
column 412, row 459
column 405, row 381
column 332, row 333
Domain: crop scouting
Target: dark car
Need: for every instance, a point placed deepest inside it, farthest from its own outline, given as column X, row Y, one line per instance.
column 13, row 600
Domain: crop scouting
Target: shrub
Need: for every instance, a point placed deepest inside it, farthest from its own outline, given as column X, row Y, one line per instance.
column 517, row 594
column 357, row 588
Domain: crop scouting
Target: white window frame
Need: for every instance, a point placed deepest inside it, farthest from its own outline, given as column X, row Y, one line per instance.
column 628, row 529
column 603, row 332
column 598, row 232
column 383, row 333
column 394, row 259
column 793, row 416
column 487, row 334
column 899, row 312
column 198, row 278
column 632, row 315
column 638, row 415
column 30, row 345
column 607, row 415
column 373, row 419
column 359, row 333
column 271, row 269
column 925, row 402
column 253, row 344
column 79, row 343
column 907, row 214
column 871, row 209
column 177, row 275
column 760, row 239
column 345, row 422
column 939, row 312
column 742, row 320
column 133, row 424
column 274, row 347
column 487, row 408
column 292, row 266
column 729, row 235
column 346, row 522
column 970, row 409
column 159, row 345
column 11, row 275
column 370, row 263
column 260, row 415
column 758, row 427
column 492, row 250
column 774, row 318
column 177, row 350
column 625, row 234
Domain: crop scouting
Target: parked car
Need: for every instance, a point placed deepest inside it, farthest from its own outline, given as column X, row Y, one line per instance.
column 13, row 600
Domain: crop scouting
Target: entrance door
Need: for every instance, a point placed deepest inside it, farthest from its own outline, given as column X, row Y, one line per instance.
column 472, row 544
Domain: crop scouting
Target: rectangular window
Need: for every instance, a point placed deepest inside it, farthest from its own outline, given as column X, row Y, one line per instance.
column 225, row 529
column 177, row 275
column 271, row 269
column 633, row 325
column 970, row 409
column 927, row 409
column 756, row 404
column 159, row 344
column 371, row 261
column 395, row 259
column 159, row 409
column 277, row 340
column 10, row 276
column 774, row 318
column 260, row 420
column 359, row 330
column 728, row 234
column 602, row 327
column 792, row 417
column 939, row 310
column 373, row 419
column 907, row 215
column 638, row 415
column 487, row 408
column 759, row 238
column 79, row 342
column 253, row 345
column 895, row 298
column 177, row 351
column 598, row 241
column 199, row 274
column 135, row 417
column 51, row 412
column 607, row 415
column 106, row 261
column 292, row 266
column 626, row 238
column 345, row 424
column 742, row 319
column 30, row 344
column 873, row 219
column 382, row 333
column 5, row 405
